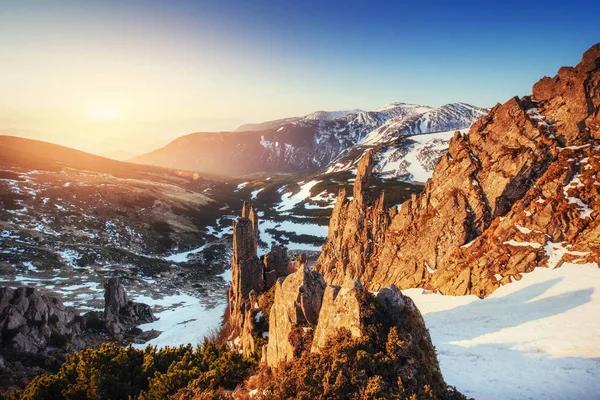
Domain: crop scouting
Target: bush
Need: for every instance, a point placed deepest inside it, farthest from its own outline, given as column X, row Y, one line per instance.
column 114, row 372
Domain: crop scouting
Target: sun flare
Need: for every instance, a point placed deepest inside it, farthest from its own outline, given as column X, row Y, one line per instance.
column 104, row 112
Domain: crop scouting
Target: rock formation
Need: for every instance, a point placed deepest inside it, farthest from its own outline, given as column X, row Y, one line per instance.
column 250, row 276
column 520, row 190
column 306, row 315
column 38, row 330
column 341, row 309
column 121, row 314
column 31, row 321
column 294, row 314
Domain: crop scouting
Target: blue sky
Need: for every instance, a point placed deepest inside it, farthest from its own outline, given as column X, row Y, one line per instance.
column 220, row 63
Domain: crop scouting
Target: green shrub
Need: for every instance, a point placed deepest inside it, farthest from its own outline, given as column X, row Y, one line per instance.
column 114, row 372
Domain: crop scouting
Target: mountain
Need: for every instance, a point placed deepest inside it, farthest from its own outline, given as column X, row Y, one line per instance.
column 518, row 191
column 307, row 144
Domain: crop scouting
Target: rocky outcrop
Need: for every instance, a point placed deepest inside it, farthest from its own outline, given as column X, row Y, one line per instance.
column 294, row 314
column 251, row 277
column 518, row 191
column 30, row 322
column 341, row 309
column 276, row 264
column 38, row 330
column 121, row 314
column 356, row 227
column 307, row 315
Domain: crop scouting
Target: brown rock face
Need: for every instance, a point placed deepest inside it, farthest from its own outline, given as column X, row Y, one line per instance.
column 341, row 309
column 251, row 276
column 303, row 295
column 276, row 264
column 515, row 190
column 355, row 227
column 295, row 312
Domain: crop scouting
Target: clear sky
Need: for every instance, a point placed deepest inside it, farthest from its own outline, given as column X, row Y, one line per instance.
column 104, row 75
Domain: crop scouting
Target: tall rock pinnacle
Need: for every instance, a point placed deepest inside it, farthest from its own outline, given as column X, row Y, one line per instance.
column 251, row 276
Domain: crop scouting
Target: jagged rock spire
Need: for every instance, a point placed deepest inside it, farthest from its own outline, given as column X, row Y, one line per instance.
column 363, row 178
column 251, row 276
column 355, row 227
column 295, row 310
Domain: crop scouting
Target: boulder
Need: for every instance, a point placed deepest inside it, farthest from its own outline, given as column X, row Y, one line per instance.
column 31, row 321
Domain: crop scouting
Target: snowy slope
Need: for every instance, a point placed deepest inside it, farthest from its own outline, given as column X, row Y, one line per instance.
column 413, row 158
column 306, row 144
column 532, row 339
column 329, row 115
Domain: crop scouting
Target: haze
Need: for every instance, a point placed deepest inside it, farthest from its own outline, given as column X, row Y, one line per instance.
column 130, row 76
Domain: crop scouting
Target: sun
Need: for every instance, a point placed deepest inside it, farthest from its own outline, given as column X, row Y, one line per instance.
column 104, row 112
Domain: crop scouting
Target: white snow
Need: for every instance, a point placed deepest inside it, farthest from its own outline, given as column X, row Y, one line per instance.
column 546, row 347
column 555, row 252
column 189, row 322
column 293, row 227
column 429, row 269
column 523, row 244
column 30, row 267
column 182, row 257
column 255, row 193
column 467, row 245
column 584, row 210
column 523, row 229
column 414, row 161
column 289, row 200
column 258, row 316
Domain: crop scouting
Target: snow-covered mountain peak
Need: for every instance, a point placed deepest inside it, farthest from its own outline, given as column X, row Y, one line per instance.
column 330, row 115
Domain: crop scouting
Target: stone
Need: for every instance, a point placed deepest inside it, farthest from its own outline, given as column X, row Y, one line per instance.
column 276, row 264
column 251, row 277
column 296, row 307
column 30, row 321
column 341, row 309
column 121, row 314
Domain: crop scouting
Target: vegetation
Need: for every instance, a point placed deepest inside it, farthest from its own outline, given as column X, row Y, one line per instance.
column 114, row 372
column 375, row 366
column 393, row 359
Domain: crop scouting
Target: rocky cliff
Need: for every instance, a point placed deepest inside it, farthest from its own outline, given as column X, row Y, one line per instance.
column 520, row 190
column 308, row 325
column 251, row 277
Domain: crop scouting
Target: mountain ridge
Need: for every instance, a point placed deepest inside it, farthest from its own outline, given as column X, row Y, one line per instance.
column 305, row 144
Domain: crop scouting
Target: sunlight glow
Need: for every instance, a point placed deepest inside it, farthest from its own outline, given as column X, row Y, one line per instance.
column 104, row 112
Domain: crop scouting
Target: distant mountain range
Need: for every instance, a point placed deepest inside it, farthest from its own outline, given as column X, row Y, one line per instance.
column 307, row 144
